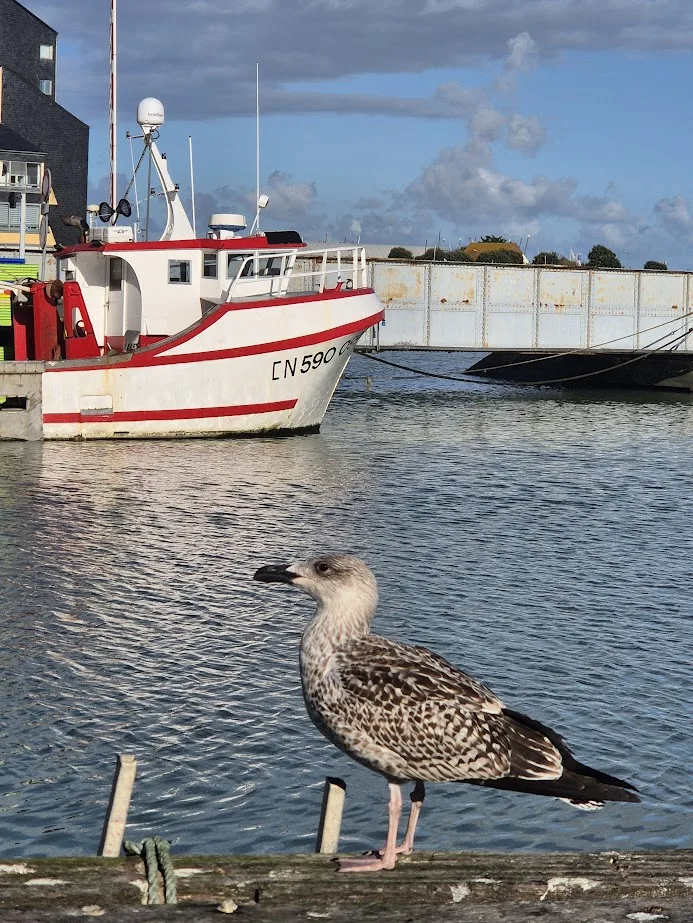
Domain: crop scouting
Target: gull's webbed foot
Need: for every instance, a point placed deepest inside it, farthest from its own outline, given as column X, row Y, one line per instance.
column 372, row 863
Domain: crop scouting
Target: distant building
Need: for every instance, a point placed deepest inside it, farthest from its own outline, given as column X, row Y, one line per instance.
column 31, row 120
column 21, row 171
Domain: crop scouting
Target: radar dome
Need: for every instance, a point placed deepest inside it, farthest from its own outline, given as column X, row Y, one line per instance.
column 224, row 225
column 150, row 114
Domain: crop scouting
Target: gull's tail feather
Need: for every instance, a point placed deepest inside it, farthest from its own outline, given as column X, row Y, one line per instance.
column 579, row 784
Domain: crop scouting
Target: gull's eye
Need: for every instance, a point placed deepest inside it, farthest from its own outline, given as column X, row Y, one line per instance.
column 322, row 567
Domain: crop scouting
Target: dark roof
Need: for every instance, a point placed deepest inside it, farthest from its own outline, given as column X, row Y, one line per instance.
column 11, row 141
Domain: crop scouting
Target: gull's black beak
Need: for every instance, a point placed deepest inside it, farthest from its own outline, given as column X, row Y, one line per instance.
column 275, row 573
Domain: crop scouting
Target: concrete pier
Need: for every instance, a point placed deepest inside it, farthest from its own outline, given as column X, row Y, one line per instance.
column 21, row 416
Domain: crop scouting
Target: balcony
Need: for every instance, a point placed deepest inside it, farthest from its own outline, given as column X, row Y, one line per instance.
column 20, row 176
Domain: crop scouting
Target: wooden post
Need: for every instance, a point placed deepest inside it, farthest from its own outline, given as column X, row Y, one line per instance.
column 331, row 816
column 117, row 811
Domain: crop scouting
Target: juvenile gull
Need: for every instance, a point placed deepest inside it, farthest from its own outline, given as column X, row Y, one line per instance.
column 411, row 716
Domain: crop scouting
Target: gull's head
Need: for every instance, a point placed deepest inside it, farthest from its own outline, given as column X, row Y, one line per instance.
column 330, row 578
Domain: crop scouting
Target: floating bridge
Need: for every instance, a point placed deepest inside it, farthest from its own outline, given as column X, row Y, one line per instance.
column 591, row 327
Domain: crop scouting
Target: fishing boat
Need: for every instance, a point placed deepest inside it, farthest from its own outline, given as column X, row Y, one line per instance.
column 183, row 335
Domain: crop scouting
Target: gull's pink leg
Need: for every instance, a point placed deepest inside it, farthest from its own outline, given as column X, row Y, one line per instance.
column 389, row 857
column 417, row 798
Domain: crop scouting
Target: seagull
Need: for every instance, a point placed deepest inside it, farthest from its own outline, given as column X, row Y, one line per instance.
column 409, row 715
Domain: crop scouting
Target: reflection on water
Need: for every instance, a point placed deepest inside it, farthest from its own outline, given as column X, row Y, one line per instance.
column 540, row 540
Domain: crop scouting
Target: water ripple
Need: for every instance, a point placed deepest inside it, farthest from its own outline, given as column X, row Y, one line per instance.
column 540, row 540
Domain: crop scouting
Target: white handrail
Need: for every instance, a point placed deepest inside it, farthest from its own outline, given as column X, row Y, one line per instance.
column 349, row 261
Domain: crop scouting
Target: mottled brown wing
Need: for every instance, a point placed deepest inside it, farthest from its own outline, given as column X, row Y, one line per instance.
column 442, row 724
column 384, row 672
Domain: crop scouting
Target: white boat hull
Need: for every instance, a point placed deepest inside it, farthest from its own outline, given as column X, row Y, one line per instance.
column 245, row 368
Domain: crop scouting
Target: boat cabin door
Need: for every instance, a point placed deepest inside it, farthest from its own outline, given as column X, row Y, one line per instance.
column 124, row 306
column 115, row 303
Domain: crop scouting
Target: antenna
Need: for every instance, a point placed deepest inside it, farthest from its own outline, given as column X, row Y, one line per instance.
column 134, row 183
column 257, row 146
column 113, row 104
column 192, row 185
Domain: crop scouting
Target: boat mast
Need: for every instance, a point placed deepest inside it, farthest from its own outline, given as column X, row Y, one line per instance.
column 112, row 104
column 257, row 147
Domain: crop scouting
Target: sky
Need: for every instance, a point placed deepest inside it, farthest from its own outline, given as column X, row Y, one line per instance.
column 409, row 121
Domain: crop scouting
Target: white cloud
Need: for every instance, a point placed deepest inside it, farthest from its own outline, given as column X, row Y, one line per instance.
column 463, row 185
column 288, row 198
column 522, row 56
column 292, row 202
column 201, row 56
column 675, row 214
column 525, row 134
column 486, row 124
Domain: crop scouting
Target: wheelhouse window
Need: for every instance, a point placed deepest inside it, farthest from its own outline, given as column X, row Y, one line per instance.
column 234, row 263
column 46, row 53
column 271, row 266
column 209, row 265
column 179, row 271
column 245, row 264
column 46, row 86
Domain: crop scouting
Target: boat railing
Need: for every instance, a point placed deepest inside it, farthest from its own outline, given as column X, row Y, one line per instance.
column 334, row 267
column 313, row 270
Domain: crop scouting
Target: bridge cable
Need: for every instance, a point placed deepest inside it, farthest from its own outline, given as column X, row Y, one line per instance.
column 567, row 352
column 670, row 344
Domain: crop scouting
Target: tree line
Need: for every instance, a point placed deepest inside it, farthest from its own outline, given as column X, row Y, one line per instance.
column 599, row 257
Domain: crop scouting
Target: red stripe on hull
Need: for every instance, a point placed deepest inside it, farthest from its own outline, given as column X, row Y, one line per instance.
column 149, row 359
column 258, row 349
column 187, row 413
column 176, row 339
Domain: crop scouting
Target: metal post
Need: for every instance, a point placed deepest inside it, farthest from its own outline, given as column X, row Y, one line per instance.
column 149, row 189
column 192, row 185
column 22, row 226
column 331, row 816
column 118, row 806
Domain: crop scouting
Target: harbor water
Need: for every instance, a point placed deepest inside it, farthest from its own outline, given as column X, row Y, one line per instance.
column 539, row 539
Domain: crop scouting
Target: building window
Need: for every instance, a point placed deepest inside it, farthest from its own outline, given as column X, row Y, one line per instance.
column 46, row 53
column 209, row 265
column 46, row 86
column 20, row 173
column 179, row 271
column 9, row 217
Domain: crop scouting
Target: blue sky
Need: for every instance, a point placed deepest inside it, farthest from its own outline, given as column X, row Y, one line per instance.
column 407, row 119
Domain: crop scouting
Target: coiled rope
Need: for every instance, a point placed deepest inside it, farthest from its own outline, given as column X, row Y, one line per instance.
column 157, row 858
